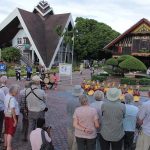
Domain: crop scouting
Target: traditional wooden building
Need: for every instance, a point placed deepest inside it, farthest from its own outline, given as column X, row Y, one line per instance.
column 135, row 41
column 34, row 33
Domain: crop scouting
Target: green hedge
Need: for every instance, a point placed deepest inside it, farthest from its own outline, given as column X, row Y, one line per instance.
column 99, row 78
column 144, row 81
column 129, row 81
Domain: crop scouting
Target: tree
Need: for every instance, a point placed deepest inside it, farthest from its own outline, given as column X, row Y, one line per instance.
column 11, row 54
column 90, row 38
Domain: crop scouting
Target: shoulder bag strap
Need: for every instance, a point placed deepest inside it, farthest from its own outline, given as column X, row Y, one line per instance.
column 43, row 136
column 32, row 91
column 9, row 103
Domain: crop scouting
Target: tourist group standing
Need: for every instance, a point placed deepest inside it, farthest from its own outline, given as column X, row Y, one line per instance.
column 31, row 102
column 109, row 124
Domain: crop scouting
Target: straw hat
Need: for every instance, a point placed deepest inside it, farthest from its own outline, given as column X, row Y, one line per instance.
column 113, row 94
column 36, row 78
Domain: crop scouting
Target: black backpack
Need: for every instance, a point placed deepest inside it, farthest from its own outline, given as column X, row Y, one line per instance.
column 45, row 144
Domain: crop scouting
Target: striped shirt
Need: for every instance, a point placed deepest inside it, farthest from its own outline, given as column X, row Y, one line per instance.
column 112, row 120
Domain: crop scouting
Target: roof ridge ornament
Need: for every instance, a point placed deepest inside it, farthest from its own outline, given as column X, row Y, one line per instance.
column 43, row 8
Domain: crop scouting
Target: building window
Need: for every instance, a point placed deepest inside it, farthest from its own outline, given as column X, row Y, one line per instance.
column 26, row 40
column 19, row 40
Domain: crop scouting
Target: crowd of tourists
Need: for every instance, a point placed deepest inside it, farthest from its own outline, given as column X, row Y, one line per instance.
column 108, row 123
column 31, row 103
column 104, row 124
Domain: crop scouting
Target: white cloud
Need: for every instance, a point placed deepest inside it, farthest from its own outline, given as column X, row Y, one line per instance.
column 119, row 14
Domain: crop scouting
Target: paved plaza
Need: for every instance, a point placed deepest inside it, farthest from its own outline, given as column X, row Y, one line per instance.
column 56, row 115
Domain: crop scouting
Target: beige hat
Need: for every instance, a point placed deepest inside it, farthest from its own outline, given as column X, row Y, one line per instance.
column 36, row 78
column 113, row 94
column 77, row 90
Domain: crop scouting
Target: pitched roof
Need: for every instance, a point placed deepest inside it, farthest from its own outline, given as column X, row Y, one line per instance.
column 43, row 32
column 127, row 32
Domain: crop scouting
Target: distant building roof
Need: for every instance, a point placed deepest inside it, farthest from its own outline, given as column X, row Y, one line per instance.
column 145, row 21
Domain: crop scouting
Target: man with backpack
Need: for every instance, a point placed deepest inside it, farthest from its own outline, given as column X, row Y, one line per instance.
column 42, row 135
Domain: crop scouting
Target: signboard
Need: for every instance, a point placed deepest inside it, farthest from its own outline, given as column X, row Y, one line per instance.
column 2, row 67
column 65, row 69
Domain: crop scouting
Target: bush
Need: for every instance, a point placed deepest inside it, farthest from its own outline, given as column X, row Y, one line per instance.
column 133, row 64
column 11, row 54
column 129, row 81
column 112, row 62
column 99, row 78
column 123, row 57
column 144, row 81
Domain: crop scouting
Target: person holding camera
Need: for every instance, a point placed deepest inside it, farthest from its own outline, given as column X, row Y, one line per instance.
column 36, row 102
column 41, row 133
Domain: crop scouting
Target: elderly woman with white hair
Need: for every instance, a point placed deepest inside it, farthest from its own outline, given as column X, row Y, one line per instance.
column 99, row 100
column 85, row 122
column 129, row 122
column 11, row 115
column 3, row 82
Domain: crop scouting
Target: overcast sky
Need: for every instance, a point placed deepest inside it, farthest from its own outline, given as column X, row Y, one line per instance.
column 119, row 14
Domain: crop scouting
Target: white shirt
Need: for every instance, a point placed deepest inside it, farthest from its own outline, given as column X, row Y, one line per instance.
column 36, row 138
column 11, row 102
column 4, row 88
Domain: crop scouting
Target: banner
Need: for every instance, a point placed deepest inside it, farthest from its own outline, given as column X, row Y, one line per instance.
column 65, row 69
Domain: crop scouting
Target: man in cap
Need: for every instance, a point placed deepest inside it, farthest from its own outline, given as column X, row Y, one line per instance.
column 36, row 102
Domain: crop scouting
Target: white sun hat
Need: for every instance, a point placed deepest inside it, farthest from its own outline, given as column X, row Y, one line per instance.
column 113, row 94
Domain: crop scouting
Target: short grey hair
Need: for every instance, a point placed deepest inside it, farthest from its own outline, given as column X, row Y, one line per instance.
column 3, row 79
column 98, row 95
column 83, row 99
column 128, row 98
column 14, row 89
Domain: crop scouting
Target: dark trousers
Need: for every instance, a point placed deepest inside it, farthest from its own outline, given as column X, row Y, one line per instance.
column 51, row 85
column 29, row 75
column 128, row 140
column 18, row 76
column 1, row 122
column 86, row 144
column 25, row 126
column 105, row 145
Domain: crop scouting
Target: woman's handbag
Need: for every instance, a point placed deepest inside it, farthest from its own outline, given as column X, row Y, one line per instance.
column 45, row 144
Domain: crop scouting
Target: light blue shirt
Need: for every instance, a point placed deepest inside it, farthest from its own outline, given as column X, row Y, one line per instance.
column 2, row 98
column 129, row 122
column 144, row 114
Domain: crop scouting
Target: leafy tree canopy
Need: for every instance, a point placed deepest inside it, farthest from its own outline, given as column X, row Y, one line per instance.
column 90, row 38
column 11, row 54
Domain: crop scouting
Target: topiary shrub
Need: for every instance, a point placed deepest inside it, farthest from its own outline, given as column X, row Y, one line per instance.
column 99, row 78
column 124, row 57
column 144, row 81
column 112, row 61
column 133, row 64
column 129, row 81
